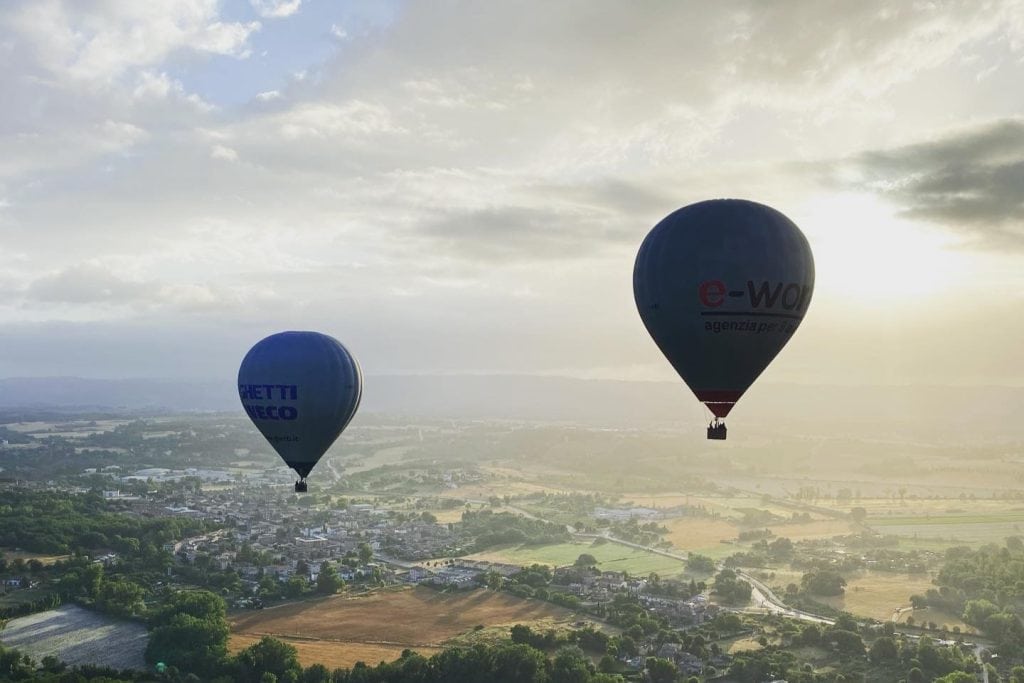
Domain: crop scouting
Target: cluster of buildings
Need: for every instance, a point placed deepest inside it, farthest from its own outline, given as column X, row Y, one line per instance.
column 458, row 574
column 690, row 664
column 679, row 611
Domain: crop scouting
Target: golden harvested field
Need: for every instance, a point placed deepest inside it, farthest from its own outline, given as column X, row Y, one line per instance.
column 334, row 654
column 825, row 528
column 697, row 533
column 387, row 622
column 878, row 594
column 501, row 488
column 883, row 507
column 448, row 516
column 922, row 616
column 741, row 645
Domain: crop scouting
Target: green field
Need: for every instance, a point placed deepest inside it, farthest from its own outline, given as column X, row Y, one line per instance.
column 1009, row 517
column 971, row 529
column 610, row 557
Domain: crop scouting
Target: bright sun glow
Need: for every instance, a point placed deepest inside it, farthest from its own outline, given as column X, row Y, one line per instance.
column 866, row 255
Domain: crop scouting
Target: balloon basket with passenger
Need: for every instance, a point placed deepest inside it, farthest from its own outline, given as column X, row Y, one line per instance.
column 302, row 487
column 716, row 430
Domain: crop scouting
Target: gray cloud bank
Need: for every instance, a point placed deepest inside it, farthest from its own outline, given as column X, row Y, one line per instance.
column 971, row 180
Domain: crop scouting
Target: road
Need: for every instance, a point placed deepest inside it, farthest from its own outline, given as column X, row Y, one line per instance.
column 764, row 597
column 767, row 600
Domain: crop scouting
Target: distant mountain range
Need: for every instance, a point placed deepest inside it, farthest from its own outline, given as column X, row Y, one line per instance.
column 989, row 410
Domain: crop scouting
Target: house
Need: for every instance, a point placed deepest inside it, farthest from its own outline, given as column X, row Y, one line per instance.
column 417, row 574
column 669, row 651
column 689, row 664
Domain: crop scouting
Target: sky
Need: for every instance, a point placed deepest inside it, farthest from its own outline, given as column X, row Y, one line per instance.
column 461, row 187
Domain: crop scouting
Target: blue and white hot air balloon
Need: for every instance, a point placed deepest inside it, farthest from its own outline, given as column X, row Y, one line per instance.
column 301, row 389
column 721, row 286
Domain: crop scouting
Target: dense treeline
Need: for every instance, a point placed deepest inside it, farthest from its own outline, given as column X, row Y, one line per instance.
column 55, row 523
column 489, row 529
column 986, row 586
column 83, row 526
column 35, row 601
column 731, row 589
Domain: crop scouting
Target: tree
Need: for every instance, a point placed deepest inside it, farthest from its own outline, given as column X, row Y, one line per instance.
column 780, row 548
column 522, row 634
column 884, row 650
column 327, row 581
column 365, row 552
column 296, row 586
column 700, row 563
column 661, row 670
column 628, row 646
column 92, row 579
column 731, row 589
column 269, row 655
column 493, row 580
column 570, row 665
column 122, row 598
column 977, row 611
column 846, row 622
column 585, row 560
column 848, row 642
column 957, row 677
column 823, row 582
column 317, row 673
column 507, row 663
column 191, row 644
column 811, row 635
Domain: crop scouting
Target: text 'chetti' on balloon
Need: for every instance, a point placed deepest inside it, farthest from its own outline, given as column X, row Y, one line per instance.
column 300, row 389
column 721, row 286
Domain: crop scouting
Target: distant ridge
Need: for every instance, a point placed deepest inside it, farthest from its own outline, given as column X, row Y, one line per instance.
column 990, row 410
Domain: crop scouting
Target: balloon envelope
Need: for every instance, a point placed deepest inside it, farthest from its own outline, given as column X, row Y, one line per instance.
column 300, row 389
column 721, row 286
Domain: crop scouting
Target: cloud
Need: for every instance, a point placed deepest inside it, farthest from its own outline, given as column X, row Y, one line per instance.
column 464, row 175
column 30, row 152
column 275, row 9
column 223, row 153
column 323, row 121
column 93, row 284
column 102, row 41
column 526, row 233
column 970, row 179
column 87, row 283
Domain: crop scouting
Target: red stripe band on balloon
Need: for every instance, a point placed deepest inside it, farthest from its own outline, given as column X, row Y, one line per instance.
column 718, row 401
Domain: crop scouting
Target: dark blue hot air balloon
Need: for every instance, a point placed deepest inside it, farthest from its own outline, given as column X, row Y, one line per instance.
column 300, row 389
column 722, row 285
